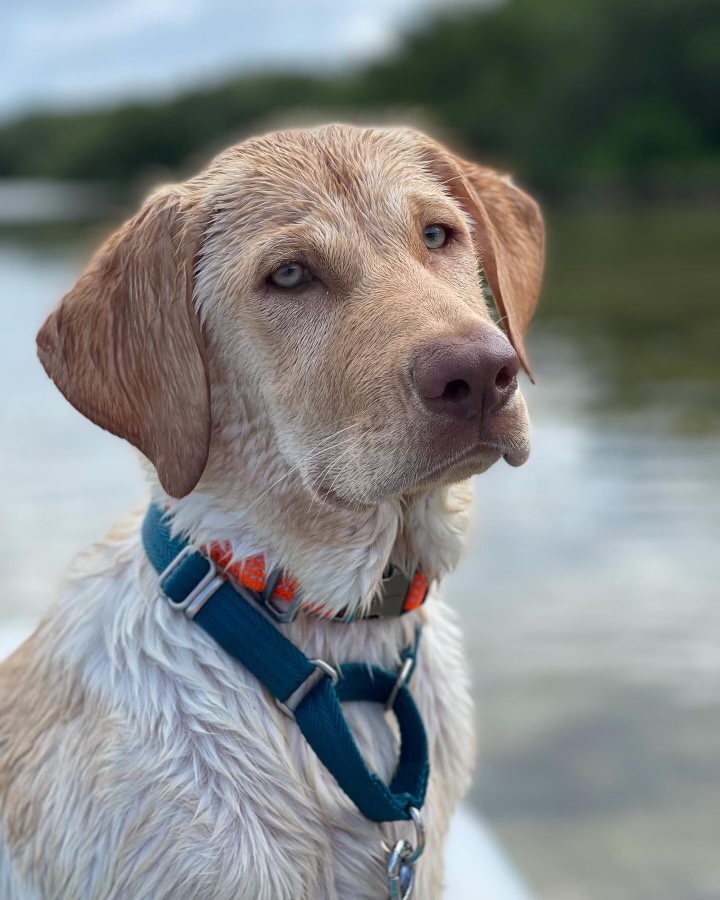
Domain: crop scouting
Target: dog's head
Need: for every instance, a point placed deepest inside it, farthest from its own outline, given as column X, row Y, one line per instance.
column 333, row 278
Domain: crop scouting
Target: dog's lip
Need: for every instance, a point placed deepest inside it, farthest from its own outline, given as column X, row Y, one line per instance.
column 485, row 450
column 517, row 456
column 490, row 451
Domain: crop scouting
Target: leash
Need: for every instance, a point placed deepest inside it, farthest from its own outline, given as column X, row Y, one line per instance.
column 307, row 690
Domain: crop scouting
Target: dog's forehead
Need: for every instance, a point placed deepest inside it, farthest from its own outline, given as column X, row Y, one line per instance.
column 334, row 173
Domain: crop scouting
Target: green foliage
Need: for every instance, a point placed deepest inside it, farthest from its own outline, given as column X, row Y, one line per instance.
column 636, row 292
column 574, row 96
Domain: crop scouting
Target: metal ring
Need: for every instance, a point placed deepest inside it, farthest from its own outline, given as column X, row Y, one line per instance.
column 419, row 835
column 402, row 679
column 399, row 863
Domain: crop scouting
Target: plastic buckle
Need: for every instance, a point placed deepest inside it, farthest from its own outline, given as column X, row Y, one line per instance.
column 201, row 593
column 394, row 590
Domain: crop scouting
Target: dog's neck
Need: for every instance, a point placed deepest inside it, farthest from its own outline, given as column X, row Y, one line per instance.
column 251, row 497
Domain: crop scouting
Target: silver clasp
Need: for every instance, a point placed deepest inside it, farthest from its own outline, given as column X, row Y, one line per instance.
column 402, row 860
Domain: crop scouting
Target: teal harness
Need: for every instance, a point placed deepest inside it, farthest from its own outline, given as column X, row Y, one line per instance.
column 308, row 690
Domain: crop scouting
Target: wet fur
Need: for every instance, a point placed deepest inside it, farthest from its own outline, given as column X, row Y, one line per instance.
column 136, row 758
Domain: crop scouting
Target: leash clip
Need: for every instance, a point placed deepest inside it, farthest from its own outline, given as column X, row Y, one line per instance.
column 201, row 593
column 402, row 860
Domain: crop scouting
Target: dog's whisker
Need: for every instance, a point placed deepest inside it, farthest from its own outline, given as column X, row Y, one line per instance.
column 323, row 473
column 334, row 463
column 315, row 482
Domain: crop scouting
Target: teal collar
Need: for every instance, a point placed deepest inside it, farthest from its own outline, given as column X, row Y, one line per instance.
column 310, row 691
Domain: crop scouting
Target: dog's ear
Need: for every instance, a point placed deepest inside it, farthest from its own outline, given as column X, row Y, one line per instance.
column 125, row 346
column 509, row 237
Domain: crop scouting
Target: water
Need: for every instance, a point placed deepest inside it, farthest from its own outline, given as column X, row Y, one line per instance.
column 590, row 591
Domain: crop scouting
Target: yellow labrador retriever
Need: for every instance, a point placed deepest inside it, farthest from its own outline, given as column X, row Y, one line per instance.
column 298, row 341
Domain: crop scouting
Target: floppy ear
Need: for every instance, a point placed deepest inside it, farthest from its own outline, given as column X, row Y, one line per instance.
column 125, row 347
column 509, row 236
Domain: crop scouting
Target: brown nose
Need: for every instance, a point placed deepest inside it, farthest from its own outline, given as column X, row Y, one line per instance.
column 468, row 377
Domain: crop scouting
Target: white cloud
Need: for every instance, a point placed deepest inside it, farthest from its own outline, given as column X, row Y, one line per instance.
column 365, row 34
column 112, row 23
column 56, row 53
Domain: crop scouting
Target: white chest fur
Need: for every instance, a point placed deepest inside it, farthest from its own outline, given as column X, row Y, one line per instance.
column 193, row 784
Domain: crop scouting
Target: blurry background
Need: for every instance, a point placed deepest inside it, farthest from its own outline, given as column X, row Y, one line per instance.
column 591, row 591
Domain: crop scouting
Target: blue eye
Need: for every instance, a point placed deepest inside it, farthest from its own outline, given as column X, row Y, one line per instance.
column 435, row 236
column 290, row 275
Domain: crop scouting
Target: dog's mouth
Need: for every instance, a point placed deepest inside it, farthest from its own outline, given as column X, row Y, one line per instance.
column 463, row 463
column 517, row 455
column 474, row 460
column 384, row 464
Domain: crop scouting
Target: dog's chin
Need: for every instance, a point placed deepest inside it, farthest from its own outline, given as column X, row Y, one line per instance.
column 440, row 473
column 466, row 465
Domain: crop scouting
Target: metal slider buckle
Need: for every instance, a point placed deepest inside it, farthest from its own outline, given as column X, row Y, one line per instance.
column 203, row 590
column 302, row 690
column 262, row 600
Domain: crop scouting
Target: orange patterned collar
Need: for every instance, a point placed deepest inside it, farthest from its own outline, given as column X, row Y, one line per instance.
column 280, row 596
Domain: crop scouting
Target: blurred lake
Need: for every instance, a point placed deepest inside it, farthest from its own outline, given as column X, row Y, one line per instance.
column 590, row 592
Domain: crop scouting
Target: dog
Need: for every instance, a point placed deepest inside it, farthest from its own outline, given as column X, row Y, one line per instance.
column 299, row 343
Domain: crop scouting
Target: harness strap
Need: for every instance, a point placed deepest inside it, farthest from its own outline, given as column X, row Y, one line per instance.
column 308, row 689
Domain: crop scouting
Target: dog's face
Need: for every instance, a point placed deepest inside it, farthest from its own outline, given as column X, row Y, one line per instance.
column 336, row 276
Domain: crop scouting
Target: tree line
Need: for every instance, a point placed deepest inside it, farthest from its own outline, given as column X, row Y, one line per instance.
column 576, row 96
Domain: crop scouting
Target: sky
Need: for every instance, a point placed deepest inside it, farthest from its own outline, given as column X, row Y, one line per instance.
column 70, row 53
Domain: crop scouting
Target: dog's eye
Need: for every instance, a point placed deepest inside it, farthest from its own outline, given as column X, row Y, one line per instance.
column 290, row 275
column 435, row 236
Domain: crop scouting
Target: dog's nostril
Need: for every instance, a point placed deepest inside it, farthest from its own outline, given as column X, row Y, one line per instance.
column 456, row 390
column 504, row 379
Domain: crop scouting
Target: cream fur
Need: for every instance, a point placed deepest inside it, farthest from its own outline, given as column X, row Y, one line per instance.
column 137, row 760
